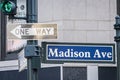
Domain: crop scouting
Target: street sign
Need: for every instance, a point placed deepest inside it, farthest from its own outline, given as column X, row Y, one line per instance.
column 22, row 61
column 32, row 31
column 56, row 52
column 21, row 8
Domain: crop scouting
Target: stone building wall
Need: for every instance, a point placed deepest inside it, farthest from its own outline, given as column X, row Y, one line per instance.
column 86, row 21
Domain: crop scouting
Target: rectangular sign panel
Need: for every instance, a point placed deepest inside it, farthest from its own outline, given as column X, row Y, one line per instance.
column 78, row 52
column 32, row 31
column 22, row 61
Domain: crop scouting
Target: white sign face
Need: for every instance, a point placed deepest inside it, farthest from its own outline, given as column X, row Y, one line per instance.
column 22, row 61
column 32, row 31
column 21, row 8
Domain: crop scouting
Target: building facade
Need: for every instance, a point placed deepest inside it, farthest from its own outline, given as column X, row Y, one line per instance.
column 92, row 20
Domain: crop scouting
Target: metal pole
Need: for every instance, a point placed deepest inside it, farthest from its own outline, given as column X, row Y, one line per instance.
column 32, row 11
column 29, row 69
column 32, row 17
column 117, row 39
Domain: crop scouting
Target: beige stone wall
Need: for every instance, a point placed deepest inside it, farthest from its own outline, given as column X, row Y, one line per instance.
column 80, row 20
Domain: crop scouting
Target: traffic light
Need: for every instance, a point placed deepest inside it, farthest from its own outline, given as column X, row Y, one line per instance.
column 32, row 50
column 117, row 28
column 9, row 7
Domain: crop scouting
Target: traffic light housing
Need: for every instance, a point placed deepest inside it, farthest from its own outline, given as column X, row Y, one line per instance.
column 9, row 7
column 32, row 51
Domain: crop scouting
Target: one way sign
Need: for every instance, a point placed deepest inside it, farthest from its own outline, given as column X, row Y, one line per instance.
column 32, row 31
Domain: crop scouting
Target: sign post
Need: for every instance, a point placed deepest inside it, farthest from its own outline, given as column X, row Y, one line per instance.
column 32, row 15
column 117, row 39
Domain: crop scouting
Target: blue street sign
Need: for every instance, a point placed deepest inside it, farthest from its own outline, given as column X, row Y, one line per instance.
column 77, row 52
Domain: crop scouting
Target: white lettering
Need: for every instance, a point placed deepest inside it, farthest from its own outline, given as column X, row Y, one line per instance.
column 87, row 54
column 61, row 54
column 103, row 54
column 97, row 54
column 67, row 53
column 75, row 54
column 81, row 54
column 53, row 53
column 109, row 55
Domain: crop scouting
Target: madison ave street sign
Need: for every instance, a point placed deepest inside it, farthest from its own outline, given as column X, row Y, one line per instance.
column 32, row 31
column 56, row 52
